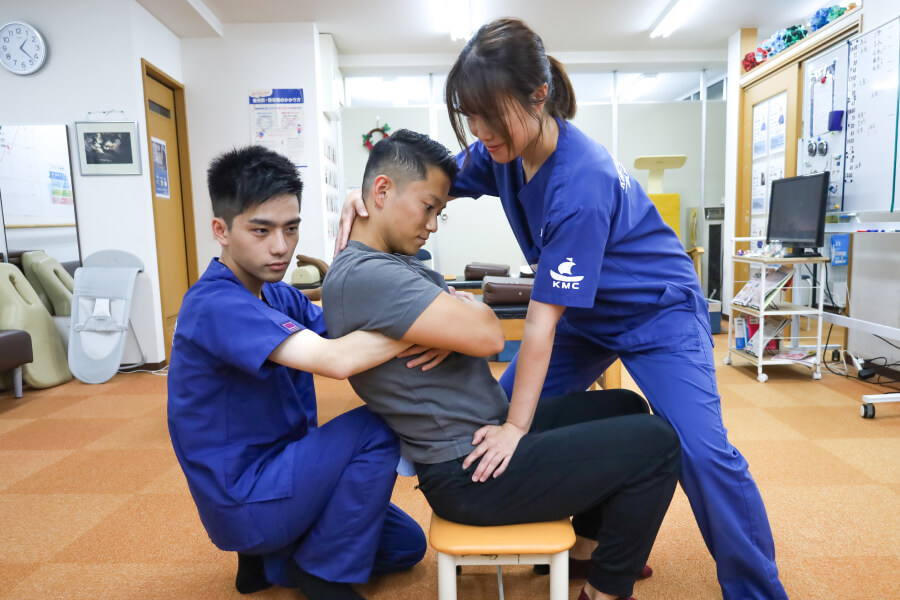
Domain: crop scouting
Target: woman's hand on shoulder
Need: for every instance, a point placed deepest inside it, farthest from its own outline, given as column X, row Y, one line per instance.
column 353, row 207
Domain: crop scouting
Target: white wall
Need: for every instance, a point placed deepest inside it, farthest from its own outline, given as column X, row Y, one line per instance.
column 219, row 74
column 114, row 212
column 596, row 121
column 472, row 230
column 664, row 128
column 356, row 121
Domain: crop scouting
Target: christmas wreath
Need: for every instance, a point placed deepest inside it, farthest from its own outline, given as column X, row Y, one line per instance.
column 367, row 137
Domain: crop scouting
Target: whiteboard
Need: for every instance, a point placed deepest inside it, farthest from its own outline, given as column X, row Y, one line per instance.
column 870, row 175
column 35, row 176
column 824, row 91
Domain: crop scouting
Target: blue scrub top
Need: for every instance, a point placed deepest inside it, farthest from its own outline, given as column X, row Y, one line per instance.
column 231, row 411
column 601, row 246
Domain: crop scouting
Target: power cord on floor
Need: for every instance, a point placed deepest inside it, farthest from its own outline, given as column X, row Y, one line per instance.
column 847, row 374
column 879, row 377
column 163, row 371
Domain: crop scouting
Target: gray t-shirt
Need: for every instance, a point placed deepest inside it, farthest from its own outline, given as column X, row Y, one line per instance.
column 435, row 412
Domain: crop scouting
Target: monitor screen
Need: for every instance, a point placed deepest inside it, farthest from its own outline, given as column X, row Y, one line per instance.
column 797, row 211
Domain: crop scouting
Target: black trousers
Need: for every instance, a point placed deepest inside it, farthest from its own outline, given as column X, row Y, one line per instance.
column 598, row 456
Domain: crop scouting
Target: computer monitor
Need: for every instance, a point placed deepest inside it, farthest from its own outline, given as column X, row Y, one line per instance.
column 797, row 211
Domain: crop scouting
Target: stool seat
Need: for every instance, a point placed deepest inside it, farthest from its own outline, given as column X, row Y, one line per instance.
column 528, row 538
column 526, row 544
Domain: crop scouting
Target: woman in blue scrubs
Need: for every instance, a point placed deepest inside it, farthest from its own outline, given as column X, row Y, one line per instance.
column 612, row 281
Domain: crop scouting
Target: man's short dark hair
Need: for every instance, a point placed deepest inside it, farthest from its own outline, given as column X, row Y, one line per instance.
column 405, row 156
column 246, row 177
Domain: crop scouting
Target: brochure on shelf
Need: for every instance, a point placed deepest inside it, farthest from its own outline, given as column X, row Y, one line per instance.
column 776, row 279
column 774, row 326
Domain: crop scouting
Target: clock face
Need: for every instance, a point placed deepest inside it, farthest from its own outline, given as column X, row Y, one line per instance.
column 22, row 49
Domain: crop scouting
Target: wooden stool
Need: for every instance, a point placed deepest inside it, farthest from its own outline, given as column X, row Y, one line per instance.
column 526, row 544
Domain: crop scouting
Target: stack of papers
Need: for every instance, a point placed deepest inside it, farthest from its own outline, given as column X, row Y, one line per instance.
column 798, row 356
column 775, row 280
column 774, row 326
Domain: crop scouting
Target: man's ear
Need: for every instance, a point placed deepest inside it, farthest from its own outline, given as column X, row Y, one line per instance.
column 380, row 188
column 220, row 230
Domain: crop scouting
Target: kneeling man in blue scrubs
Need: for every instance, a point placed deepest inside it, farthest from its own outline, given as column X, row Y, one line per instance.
column 304, row 506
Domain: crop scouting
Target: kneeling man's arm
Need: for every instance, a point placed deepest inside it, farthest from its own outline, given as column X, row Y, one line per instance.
column 338, row 358
column 458, row 323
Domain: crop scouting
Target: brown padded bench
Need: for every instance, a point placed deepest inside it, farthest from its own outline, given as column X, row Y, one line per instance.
column 15, row 351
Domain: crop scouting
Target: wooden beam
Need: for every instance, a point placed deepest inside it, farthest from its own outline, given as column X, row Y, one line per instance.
column 749, row 39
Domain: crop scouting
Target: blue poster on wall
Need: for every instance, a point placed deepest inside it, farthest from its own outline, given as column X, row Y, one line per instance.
column 160, row 168
column 840, row 249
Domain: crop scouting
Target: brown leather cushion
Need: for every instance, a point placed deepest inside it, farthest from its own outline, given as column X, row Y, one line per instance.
column 477, row 271
column 15, row 349
column 506, row 290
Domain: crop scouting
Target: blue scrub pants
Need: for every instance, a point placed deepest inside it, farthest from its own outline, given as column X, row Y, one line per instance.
column 339, row 524
column 681, row 388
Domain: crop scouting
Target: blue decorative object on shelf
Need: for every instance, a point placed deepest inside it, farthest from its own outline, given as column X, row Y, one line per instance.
column 819, row 20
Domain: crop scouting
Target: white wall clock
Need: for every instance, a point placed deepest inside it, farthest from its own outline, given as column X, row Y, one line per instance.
column 22, row 48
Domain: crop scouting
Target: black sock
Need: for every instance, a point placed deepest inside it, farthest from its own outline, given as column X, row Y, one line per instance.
column 251, row 575
column 315, row 588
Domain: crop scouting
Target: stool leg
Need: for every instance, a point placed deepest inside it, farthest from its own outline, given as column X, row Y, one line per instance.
column 17, row 382
column 500, row 581
column 559, row 576
column 447, row 576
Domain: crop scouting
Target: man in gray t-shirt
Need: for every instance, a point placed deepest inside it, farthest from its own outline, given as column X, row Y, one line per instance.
column 435, row 413
column 598, row 457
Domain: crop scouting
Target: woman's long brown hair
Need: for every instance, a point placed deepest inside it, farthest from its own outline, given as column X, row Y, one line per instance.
column 505, row 61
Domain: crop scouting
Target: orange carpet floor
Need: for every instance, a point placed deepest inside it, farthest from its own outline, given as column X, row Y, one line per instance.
column 94, row 506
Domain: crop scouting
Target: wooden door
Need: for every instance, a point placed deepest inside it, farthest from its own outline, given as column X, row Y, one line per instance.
column 785, row 81
column 168, row 209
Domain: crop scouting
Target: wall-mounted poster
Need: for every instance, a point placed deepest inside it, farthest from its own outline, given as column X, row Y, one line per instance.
column 760, row 125
column 160, row 168
column 775, row 171
column 758, row 189
column 777, row 125
column 758, row 226
column 276, row 122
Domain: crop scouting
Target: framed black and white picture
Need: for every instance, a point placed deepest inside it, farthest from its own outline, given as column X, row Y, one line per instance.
column 108, row 147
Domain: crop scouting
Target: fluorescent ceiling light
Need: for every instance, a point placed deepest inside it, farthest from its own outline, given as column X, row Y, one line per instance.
column 675, row 17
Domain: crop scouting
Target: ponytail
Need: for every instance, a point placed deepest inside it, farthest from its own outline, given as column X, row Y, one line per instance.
column 505, row 59
column 561, row 103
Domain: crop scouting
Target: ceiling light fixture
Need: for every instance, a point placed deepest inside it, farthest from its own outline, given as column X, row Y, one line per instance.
column 675, row 17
